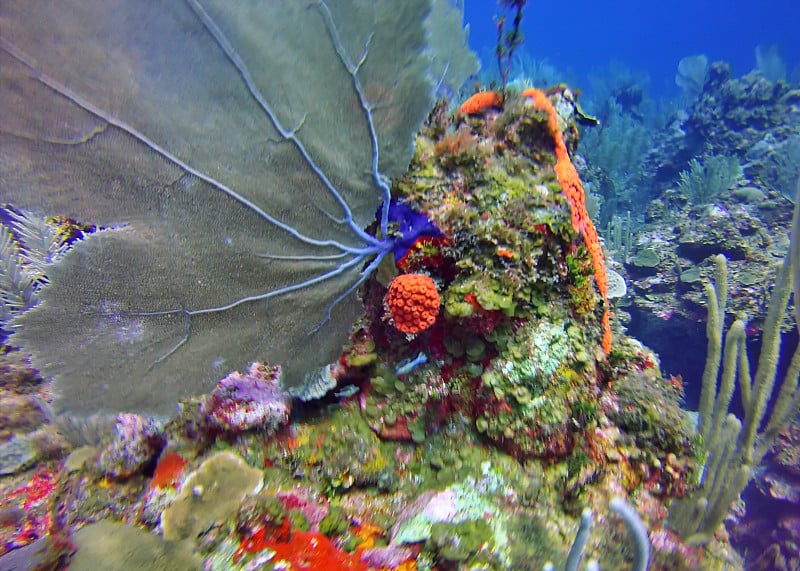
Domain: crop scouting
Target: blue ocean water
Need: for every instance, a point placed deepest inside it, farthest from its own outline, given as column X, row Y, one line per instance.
column 582, row 37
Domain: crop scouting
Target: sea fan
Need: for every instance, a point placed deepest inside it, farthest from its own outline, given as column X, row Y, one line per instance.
column 235, row 152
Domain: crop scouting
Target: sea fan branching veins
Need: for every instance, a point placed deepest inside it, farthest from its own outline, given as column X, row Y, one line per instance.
column 202, row 227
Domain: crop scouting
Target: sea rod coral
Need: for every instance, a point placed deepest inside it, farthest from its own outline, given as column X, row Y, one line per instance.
column 232, row 186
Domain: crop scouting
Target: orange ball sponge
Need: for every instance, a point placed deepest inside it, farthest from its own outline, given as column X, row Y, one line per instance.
column 413, row 302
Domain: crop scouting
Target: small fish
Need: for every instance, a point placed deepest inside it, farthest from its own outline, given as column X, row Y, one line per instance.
column 346, row 391
column 405, row 367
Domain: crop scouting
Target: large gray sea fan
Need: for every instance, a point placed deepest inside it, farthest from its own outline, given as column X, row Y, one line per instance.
column 234, row 150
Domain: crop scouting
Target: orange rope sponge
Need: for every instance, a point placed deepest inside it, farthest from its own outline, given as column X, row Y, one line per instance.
column 481, row 101
column 573, row 189
column 413, row 302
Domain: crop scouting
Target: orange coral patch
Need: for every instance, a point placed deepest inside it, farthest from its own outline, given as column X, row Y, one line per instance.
column 299, row 550
column 368, row 533
column 505, row 253
column 413, row 302
column 481, row 101
column 168, row 470
column 573, row 189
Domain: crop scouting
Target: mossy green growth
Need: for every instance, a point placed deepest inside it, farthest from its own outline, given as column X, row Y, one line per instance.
column 585, row 412
column 351, row 453
column 458, row 542
column 540, row 544
column 383, row 384
column 263, row 507
column 361, row 360
column 454, row 345
column 489, row 294
column 579, row 269
column 500, row 188
column 334, row 523
column 576, row 462
column 538, row 349
column 299, row 520
column 476, row 349
column 472, row 499
column 649, row 409
column 536, row 379
column 425, row 168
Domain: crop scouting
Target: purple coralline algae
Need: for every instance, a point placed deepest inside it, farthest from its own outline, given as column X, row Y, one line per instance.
column 388, row 557
column 248, row 401
column 136, row 443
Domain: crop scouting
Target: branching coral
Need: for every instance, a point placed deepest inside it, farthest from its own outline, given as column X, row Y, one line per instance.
column 736, row 446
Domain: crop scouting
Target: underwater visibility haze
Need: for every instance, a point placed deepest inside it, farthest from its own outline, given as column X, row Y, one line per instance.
column 383, row 285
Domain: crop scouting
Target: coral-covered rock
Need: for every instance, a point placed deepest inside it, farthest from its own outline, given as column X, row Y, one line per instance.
column 136, row 443
column 249, row 401
column 16, row 454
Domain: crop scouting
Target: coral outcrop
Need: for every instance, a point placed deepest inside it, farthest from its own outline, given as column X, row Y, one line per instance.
column 478, row 440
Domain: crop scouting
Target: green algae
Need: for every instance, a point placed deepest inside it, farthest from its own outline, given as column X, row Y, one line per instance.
column 353, row 454
column 334, row 522
column 459, row 542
